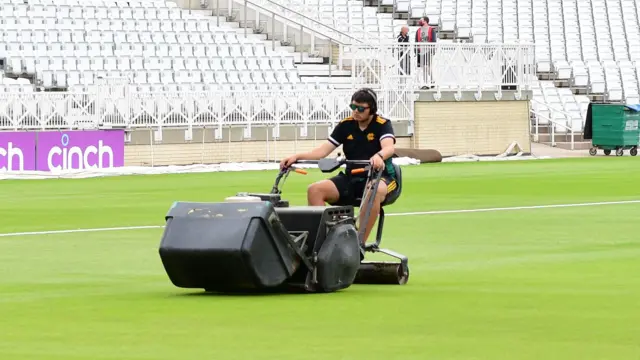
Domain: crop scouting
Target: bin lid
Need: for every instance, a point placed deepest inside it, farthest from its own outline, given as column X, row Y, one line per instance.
column 635, row 107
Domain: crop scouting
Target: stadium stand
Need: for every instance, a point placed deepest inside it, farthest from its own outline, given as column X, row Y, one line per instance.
column 67, row 44
column 586, row 50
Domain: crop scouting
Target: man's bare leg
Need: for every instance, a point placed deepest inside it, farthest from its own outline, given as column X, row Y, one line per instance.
column 322, row 192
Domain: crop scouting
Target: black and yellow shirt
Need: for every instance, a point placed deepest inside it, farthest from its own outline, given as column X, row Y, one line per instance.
column 360, row 144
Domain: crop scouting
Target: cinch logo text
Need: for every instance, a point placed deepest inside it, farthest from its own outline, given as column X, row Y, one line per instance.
column 63, row 158
column 12, row 154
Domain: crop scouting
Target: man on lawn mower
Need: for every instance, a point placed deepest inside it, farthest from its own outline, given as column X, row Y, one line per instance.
column 364, row 136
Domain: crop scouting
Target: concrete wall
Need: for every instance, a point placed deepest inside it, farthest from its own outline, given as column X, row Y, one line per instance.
column 469, row 126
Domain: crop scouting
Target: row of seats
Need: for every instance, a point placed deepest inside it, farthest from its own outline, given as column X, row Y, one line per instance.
column 35, row 65
column 109, row 3
column 63, row 45
column 202, row 87
column 63, row 79
column 415, row 8
column 90, row 12
column 15, row 26
column 12, row 86
column 9, row 85
column 82, row 49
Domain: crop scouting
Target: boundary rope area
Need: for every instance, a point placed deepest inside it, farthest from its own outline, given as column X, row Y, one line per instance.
column 158, row 170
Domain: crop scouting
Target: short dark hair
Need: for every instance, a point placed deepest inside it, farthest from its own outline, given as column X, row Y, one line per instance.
column 367, row 96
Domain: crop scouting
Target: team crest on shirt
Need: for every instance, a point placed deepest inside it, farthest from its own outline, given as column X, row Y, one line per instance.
column 370, row 136
column 350, row 137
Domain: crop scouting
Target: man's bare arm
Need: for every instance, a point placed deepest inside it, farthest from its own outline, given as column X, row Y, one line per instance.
column 318, row 153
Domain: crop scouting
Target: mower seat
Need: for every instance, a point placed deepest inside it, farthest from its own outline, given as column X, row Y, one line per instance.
column 393, row 197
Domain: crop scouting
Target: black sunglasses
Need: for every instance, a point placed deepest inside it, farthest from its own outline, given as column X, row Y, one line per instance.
column 359, row 108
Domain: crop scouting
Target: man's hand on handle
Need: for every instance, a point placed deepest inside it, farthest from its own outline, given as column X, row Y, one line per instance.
column 286, row 162
column 377, row 162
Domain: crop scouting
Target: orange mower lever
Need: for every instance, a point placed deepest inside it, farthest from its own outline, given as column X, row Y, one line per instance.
column 300, row 171
column 358, row 171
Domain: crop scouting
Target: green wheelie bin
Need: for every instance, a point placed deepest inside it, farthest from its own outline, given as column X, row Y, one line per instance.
column 613, row 127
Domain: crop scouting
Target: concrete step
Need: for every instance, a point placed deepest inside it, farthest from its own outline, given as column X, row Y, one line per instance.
column 397, row 23
column 200, row 12
column 252, row 35
column 320, row 70
column 307, row 59
column 345, row 80
column 579, row 145
column 560, row 137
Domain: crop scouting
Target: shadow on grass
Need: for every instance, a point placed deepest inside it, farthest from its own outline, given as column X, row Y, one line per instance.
column 254, row 293
column 353, row 290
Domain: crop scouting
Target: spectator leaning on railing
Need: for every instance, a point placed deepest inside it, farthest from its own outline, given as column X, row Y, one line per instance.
column 425, row 34
column 403, row 54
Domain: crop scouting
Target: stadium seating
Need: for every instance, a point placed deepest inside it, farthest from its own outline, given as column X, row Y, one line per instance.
column 581, row 55
column 594, row 51
column 70, row 43
column 348, row 16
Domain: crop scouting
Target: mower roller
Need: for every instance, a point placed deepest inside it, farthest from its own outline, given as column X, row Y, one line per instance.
column 256, row 242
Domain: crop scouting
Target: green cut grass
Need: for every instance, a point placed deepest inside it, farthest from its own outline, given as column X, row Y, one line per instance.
column 544, row 283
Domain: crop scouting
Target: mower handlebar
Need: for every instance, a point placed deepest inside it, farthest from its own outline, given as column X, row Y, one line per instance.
column 328, row 165
column 339, row 161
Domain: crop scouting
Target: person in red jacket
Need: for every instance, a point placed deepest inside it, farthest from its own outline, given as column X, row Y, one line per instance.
column 425, row 34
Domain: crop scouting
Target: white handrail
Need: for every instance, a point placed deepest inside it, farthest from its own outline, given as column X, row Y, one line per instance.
column 555, row 111
column 563, row 112
column 313, row 25
column 553, row 129
column 314, row 10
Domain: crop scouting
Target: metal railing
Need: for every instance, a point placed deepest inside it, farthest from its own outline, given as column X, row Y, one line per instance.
column 118, row 105
column 284, row 25
column 457, row 66
column 350, row 24
column 552, row 119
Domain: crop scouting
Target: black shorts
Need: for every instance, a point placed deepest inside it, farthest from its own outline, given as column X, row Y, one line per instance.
column 351, row 188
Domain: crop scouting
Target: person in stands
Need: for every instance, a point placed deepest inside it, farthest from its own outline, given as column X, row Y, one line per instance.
column 425, row 34
column 403, row 54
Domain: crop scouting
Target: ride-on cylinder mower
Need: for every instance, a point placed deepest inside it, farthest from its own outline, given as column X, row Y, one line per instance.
column 256, row 242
